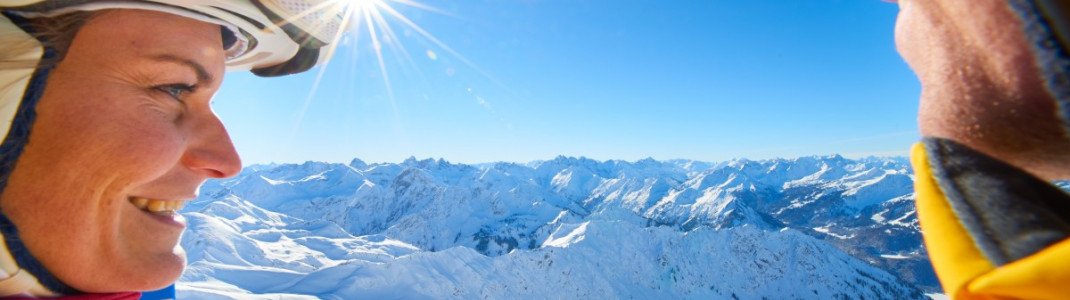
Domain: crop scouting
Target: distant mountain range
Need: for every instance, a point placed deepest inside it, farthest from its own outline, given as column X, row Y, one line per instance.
column 811, row 227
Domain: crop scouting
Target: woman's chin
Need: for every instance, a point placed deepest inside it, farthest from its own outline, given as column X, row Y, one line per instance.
column 164, row 270
column 145, row 273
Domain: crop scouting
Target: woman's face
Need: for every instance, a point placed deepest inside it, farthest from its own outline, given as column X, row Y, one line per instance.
column 124, row 117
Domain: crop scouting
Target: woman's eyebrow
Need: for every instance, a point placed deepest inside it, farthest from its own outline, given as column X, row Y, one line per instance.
column 202, row 72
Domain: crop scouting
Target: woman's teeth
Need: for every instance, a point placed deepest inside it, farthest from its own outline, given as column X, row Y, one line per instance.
column 157, row 206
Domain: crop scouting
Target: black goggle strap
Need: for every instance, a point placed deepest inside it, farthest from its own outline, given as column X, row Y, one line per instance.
column 308, row 52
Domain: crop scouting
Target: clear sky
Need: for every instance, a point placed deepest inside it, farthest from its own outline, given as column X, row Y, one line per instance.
column 532, row 79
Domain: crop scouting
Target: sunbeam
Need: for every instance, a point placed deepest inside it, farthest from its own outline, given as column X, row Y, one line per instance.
column 331, row 48
column 374, row 18
column 352, row 12
column 412, row 25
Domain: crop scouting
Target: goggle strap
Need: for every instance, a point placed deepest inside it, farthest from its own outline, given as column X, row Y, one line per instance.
column 305, row 59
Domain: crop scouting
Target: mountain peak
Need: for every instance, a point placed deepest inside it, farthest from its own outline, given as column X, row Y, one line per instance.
column 356, row 163
column 503, row 211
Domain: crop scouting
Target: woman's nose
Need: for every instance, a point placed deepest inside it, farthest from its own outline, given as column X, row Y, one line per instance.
column 210, row 150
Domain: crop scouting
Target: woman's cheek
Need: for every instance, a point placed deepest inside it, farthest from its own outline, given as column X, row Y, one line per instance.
column 156, row 144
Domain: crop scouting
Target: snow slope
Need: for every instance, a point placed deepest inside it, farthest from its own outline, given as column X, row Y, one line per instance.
column 812, row 227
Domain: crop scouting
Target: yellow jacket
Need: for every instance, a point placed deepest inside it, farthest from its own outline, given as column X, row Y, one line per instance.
column 992, row 231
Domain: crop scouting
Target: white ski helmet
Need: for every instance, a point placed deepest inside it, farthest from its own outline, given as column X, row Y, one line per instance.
column 269, row 37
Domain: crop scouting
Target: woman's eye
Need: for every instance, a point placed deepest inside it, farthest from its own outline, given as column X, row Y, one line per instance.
column 176, row 91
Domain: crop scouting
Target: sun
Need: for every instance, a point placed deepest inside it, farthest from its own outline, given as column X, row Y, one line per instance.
column 369, row 21
column 364, row 4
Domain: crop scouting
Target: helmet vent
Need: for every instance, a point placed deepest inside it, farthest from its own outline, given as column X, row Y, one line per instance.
column 321, row 19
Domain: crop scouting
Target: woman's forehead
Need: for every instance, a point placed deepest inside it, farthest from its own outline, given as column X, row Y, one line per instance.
column 140, row 34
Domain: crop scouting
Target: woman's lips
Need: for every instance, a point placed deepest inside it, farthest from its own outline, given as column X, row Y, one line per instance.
column 165, row 211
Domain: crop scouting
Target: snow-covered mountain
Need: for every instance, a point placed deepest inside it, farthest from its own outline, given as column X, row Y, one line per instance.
column 812, row 227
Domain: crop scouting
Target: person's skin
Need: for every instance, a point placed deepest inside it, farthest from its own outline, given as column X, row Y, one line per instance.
column 980, row 83
column 108, row 128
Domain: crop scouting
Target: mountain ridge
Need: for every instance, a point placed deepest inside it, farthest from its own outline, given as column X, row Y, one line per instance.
column 861, row 207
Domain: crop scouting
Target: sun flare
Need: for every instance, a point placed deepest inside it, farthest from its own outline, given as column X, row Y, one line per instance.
column 368, row 25
column 364, row 3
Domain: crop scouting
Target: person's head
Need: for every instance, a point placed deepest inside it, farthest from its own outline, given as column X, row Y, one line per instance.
column 124, row 115
column 982, row 84
column 122, row 133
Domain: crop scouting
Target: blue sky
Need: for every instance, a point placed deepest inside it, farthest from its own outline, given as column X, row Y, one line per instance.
column 707, row 80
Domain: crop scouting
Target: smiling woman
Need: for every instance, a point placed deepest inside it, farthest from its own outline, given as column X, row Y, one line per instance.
column 111, row 130
column 135, row 86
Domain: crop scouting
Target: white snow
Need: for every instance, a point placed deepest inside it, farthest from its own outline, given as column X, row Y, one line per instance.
column 894, row 256
column 573, row 234
column 937, row 296
column 825, row 230
column 564, row 228
column 272, row 182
